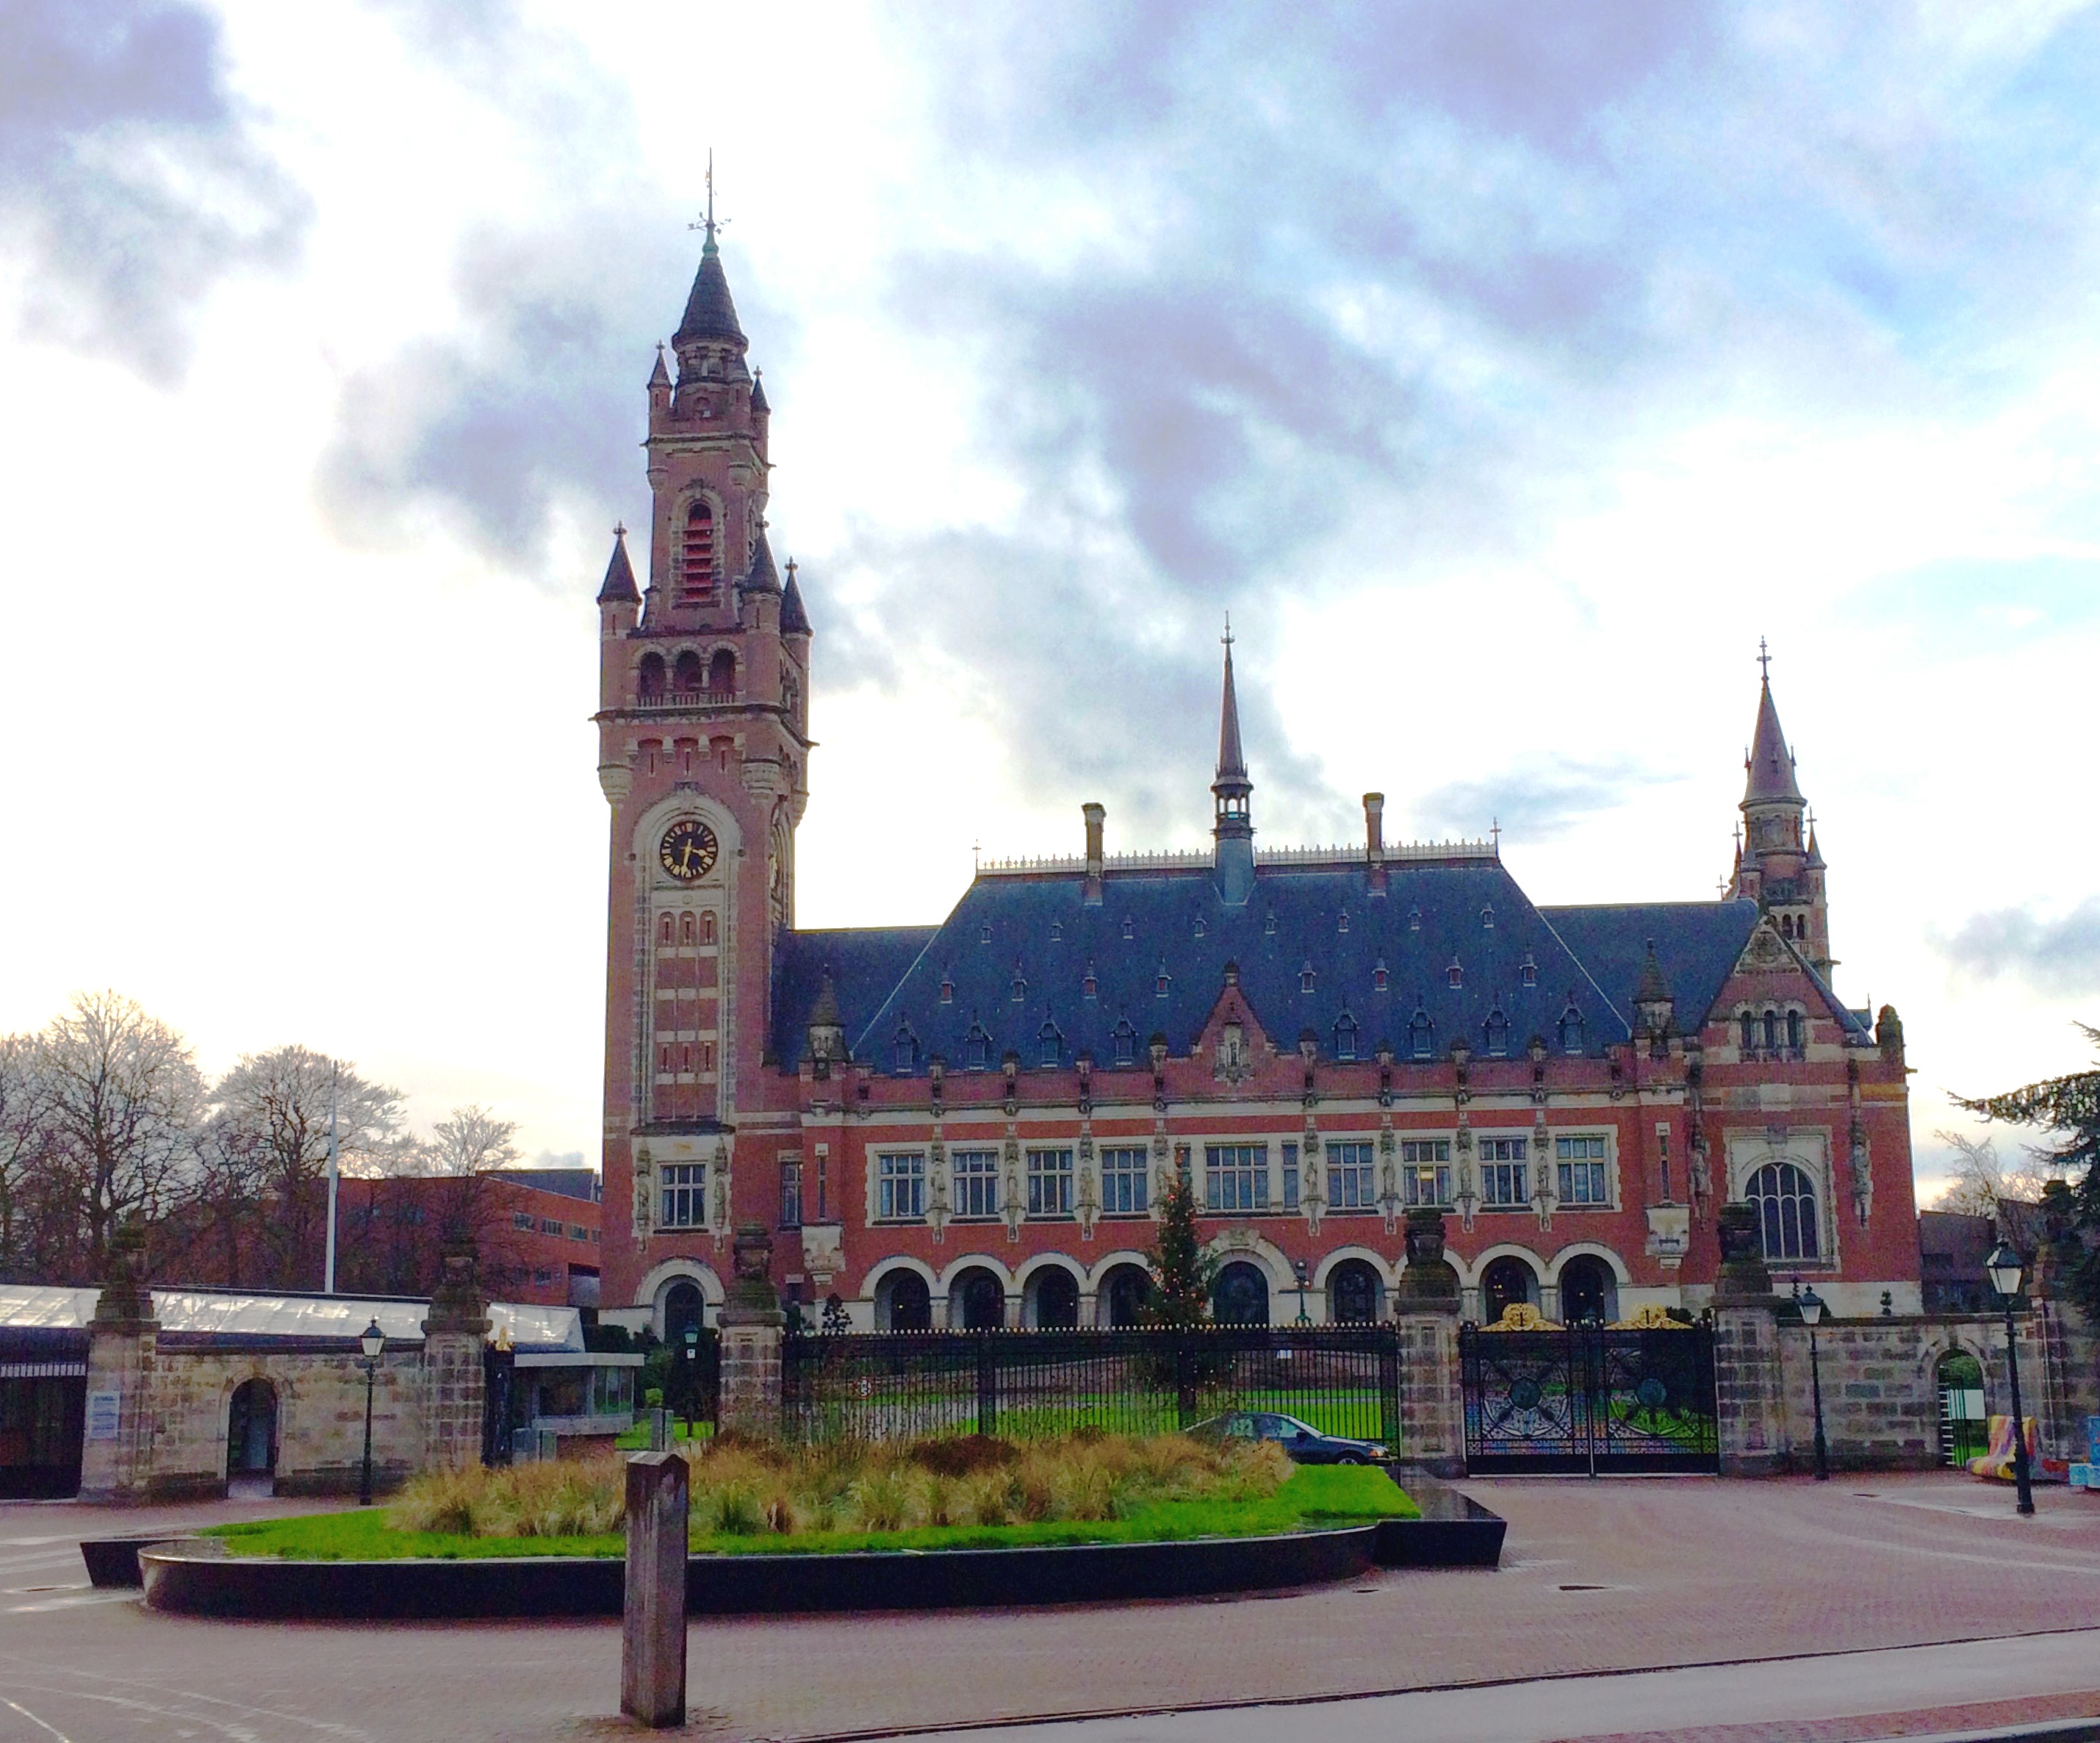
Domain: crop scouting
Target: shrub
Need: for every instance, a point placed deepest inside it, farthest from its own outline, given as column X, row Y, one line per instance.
column 964, row 1454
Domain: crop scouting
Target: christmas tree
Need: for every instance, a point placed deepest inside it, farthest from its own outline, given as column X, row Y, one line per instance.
column 1180, row 1293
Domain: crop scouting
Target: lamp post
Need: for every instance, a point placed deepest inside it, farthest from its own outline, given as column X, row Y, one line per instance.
column 372, row 1341
column 1298, row 1270
column 2004, row 1267
column 692, row 1374
column 1810, row 1304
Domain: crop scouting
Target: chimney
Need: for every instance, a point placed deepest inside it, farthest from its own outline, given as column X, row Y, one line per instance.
column 1374, row 840
column 1095, row 815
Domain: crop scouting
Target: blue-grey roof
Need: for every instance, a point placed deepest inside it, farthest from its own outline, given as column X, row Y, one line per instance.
column 865, row 962
column 1034, row 936
column 1696, row 942
column 571, row 1183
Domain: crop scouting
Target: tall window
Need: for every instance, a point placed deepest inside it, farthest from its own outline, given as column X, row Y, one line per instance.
column 722, row 673
column 1793, row 1030
column 1049, row 1183
column 1049, row 1046
column 1786, row 1204
column 790, row 1194
column 1126, row 1044
column 1771, row 1031
column 1749, row 1035
column 1571, row 1031
column 685, row 1194
column 1350, row 1183
column 1290, row 1176
column 687, row 674
column 696, row 573
column 1345, row 1037
column 900, row 1184
column 1236, row 1176
column 904, row 1058
column 1421, row 1035
column 1125, row 1181
column 1580, row 1161
column 1504, row 1172
column 1425, row 1167
column 977, row 1050
column 977, row 1182
column 1496, row 1031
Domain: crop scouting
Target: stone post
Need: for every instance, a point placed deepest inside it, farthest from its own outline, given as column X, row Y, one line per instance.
column 652, row 1644
column 454, row 1383
column 752, row 1332
column 1432, row 1405
column 1748, row 1394
column 116, row 1448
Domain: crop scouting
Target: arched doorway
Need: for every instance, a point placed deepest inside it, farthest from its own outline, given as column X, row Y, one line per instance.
column 1506, row 1282
column 684, row 1308
column 1053, row 1300
column 903, row 1303
column 1589, row 1291
column 1353, row 1293
column 977, row 1301
column 251, row 1430
column 1963, row 1431
column 1240, row 1296
column 1125, row 1290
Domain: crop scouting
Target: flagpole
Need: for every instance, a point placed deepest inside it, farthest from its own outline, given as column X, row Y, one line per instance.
column 328, row 1287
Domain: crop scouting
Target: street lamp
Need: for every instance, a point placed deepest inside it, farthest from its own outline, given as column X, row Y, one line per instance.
column 2003, row 1269
column 372, row 1341
column 692, row 1374
column 1298, row 1270
column 1810, row 1304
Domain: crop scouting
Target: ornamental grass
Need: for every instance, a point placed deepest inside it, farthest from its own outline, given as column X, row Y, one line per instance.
column 748, row 1488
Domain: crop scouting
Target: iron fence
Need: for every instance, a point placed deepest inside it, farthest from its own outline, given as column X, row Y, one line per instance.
column 1589, row 1400
column 1342, row 1380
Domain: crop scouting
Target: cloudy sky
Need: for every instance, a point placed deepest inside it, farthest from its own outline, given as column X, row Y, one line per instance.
column 1506, row 370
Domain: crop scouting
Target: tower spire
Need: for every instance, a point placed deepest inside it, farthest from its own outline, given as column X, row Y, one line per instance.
column 1232, row 825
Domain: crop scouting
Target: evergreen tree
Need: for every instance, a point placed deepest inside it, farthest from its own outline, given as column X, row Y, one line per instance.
column 2068, row 1108
column 1180, row 1293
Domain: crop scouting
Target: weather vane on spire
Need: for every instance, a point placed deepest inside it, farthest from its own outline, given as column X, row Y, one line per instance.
column 1227, row 637
column 708, row 223
column 1764, row 661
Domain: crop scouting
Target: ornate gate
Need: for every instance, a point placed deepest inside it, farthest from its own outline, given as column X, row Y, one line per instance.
column 1593, row 1401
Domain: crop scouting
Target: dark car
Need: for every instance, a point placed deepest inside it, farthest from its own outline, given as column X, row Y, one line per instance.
column 1305, row 1443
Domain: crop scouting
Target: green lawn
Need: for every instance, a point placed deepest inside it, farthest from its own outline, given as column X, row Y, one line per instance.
column 1313, row 1498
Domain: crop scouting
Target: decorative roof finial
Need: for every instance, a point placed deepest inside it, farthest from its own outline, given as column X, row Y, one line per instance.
column 708, row 223
column 1764, row 661
column 1228, row 635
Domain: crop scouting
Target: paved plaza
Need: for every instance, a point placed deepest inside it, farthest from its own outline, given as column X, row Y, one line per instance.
column 1631, row 1575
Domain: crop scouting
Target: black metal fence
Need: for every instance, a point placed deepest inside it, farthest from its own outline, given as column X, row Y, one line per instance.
column 1342, row 1380
column 1589, row 1400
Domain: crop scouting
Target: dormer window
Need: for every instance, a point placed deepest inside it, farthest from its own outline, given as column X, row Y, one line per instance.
column 977, row 1049
column 696, row 557
column 984, row 932
column 1049, row 1046
column 1126, row 1044
column 1345, row 1037
column 1342, row 921
column 1414, row 919
column 1379, row 979
column 1020, row 985
column 1268, row 926
column 1487, row 919
column 1529, row 972
column 1199, row 925
column 1421, row 1035
column 1090, row 987
column 1496, row 1031
column 947, row 991
column 1454, row 975
column 1129, row 927
column 1159, row 981
column 1057, row 932
column 1571, row 1030
column 904, row 1051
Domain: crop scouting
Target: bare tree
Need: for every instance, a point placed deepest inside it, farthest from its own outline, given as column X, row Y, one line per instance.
column 120, row 1100
column 270, row 1134
column 473, row 1141
column 1983, row 1178
column 24, row 1142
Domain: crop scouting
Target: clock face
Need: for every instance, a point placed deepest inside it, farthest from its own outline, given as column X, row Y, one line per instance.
column 688, row 850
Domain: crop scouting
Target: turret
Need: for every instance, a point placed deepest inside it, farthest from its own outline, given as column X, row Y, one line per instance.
column 1778, row 865
column 1232, row 825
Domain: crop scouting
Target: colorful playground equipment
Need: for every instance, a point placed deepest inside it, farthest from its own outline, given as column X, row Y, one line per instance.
column 1996, row 1461
column 2085, row 1474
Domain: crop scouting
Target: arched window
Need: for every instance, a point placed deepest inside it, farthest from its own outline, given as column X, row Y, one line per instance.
column 1786, row 1204
column 1126, row 1044
column 1352, row 1293
column 684, row 929
column 664, row 933
column 1345, row 1037
column 648, row 680
column 1380, row 979
column 1527, row 970
column 1793, row 1030
column 696, row 572
column 1497, row 1032
column 1421, row 1035
column 1749, row 1031
column 977, row 1049
column 1771, row 1031
column 1305, row 981
column 1455, row 974
column 722, row 673
column 686, row 675
column 904, row 1059
column 1049, row 1046
column 708, row 926
column 1571, row 1031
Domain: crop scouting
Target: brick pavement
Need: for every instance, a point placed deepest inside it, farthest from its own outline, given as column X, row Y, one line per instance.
column 1598, row 1576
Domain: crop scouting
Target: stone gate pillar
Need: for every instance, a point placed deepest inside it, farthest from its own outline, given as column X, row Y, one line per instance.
column 751, row 1332
column 454, row 1383
column 1432, row 1407
column 1748, row 1392
column 116, row 1450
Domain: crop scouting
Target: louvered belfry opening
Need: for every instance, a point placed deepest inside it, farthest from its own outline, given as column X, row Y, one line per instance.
column 696, row 569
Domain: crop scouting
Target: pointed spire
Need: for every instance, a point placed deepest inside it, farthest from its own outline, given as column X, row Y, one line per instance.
column 710, row 314
column 1653, row 986
column 1233, row 826
column 1771, row 763
column 758, row 399
column 761, row 577
column 619, row 587
column 1231, row 758
column 659, row 377
column 1813, row 862
column 794, row 619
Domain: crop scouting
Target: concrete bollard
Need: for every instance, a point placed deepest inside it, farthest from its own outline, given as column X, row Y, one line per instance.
column 652, row 1648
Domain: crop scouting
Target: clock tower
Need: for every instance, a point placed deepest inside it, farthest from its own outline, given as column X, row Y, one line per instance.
column 704, row 757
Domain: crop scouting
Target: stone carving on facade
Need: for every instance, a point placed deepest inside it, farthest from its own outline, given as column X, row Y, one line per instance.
column 643, row 1186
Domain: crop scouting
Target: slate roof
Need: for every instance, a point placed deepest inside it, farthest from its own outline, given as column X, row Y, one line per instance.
column 865, row 962
column 761, row 577
column 619, row 574
column 709, row 312
column 1771, row 764
column 794, row 617
column 571, row 1183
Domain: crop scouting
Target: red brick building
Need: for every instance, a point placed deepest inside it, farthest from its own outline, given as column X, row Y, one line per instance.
column 973, row 1123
